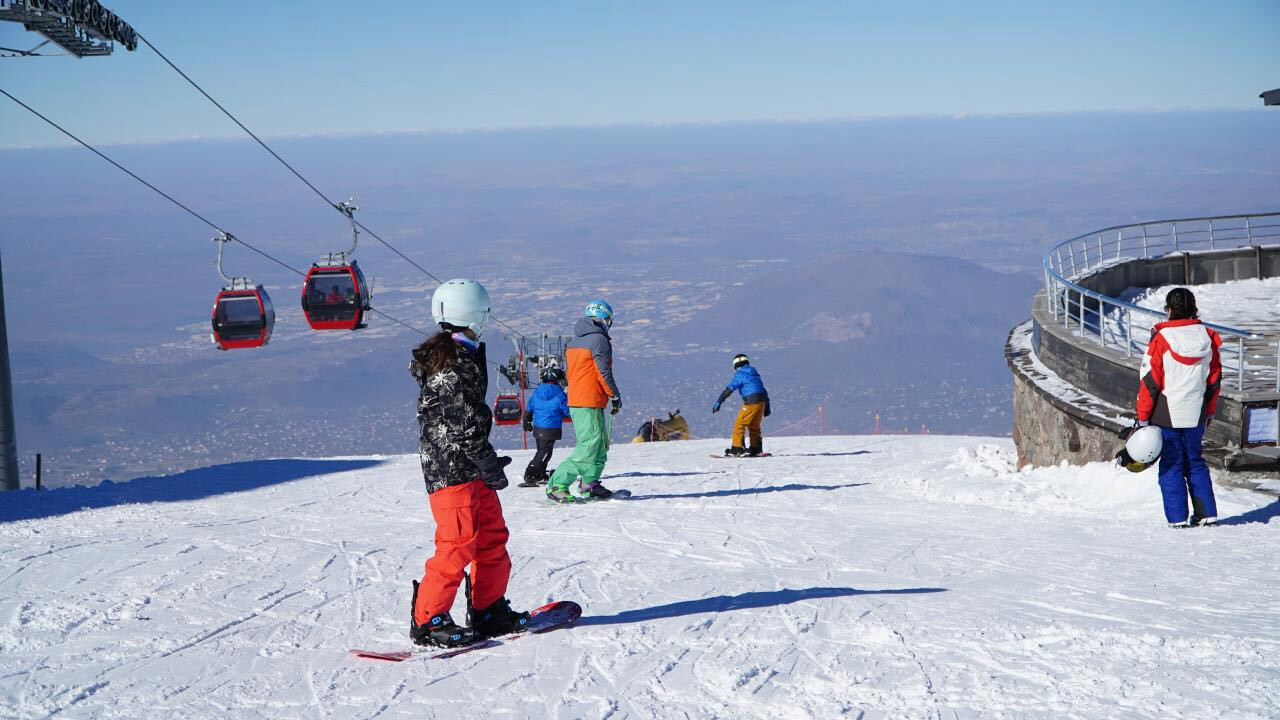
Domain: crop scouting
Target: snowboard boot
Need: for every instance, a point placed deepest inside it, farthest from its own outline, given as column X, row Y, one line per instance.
column 735, row 451
column 497, row 619
column 755, row 451
column 559, row 494
column 1179, row 525
column 440, row 630
column 1197, row 521
column 532, row 476
column 593, row 491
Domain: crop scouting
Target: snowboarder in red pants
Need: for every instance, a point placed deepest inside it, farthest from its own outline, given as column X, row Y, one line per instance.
column 462, row 473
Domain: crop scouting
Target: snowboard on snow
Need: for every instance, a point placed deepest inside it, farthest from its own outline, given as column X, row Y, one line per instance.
column 746, row 457
column 552, row 616
column 620, row 494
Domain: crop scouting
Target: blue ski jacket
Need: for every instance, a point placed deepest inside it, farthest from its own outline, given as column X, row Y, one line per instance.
column 746, row 381
column 548, row 405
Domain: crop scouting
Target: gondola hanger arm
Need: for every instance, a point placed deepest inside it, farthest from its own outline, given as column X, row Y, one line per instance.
column 348, row 208
column 233, row 283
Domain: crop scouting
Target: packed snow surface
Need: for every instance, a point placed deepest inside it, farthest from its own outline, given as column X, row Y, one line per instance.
column 845, row 576
column 1252, row 304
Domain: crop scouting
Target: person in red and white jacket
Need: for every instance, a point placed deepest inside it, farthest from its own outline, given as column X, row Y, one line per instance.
column 1181, row 373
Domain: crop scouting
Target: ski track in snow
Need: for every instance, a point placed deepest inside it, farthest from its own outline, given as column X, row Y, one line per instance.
column 846, row 576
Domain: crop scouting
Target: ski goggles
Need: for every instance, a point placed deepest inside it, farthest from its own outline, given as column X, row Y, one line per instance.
column 1124, row 460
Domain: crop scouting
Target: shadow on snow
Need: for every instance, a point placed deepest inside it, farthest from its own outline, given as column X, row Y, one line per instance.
column 661, row 474
column 745, row 601
column 1257, row 515
column 826, row 454
column 28, row 504
column 742, row 491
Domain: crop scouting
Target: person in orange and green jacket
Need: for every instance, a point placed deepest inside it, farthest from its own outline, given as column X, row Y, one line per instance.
column 589, row 358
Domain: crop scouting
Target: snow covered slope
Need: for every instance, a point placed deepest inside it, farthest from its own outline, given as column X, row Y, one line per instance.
column 861, row 576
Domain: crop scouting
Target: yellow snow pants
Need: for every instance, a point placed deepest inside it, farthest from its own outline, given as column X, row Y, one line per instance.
column 749, row 418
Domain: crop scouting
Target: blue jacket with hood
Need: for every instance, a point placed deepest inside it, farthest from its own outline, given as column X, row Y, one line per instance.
column 548, row 405
column 746, row 381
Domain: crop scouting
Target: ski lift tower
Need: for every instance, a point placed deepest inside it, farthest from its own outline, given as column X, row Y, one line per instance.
column 82, row 28
column 532, row 356
column 8, row 438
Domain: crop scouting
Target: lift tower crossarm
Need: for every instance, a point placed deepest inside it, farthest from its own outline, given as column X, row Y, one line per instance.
column 81, row 27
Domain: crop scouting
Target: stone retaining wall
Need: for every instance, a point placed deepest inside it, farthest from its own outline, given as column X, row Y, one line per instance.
column 1045, row 435
column 1047, row 428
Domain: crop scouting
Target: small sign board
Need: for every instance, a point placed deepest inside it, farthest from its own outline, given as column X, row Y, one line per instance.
column 1260, row 424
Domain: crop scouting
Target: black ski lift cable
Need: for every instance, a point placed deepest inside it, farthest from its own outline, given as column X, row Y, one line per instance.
column 308, row 183
column 178, row 203
column 208, row 97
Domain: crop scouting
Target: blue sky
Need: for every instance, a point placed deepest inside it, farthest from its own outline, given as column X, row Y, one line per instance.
column 323, row 67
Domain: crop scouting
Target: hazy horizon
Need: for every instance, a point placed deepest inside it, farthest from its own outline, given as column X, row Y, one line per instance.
column 432, row 66
column 237, row 136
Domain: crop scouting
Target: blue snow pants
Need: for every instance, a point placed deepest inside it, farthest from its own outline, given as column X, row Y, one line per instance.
column 1182, row 470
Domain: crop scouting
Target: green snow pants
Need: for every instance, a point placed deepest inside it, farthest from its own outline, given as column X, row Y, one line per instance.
column 590, row 452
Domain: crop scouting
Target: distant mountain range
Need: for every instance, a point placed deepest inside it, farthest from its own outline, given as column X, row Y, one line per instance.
column 864, row 297
column 916, row 337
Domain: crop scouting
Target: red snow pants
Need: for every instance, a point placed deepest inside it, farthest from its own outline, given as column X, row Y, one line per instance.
column 469, row 529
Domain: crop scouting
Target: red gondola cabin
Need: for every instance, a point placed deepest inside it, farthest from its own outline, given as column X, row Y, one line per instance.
column 335, row 297
column 507, row 410
column 242, row 318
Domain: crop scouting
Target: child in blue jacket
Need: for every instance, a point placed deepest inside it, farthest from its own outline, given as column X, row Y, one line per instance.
column 755, row 407
column 546, row 411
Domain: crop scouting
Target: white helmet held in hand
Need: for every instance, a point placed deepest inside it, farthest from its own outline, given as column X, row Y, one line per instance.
column 461, row 303
column 1142, row 449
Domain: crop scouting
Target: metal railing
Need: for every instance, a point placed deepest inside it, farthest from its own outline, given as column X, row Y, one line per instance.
column 1250, row 361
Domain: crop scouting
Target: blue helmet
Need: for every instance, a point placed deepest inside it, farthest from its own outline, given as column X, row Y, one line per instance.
column 600, row 310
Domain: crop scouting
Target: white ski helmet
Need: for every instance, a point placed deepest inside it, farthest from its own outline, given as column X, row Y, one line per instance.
column 461, row 303
column 1142, row 449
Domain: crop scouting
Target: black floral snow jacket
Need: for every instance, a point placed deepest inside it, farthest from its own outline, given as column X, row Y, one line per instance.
column 454, row 420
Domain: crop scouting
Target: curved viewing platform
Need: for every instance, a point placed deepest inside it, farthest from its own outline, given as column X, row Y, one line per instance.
column 1090, row 282
column 1103, row 294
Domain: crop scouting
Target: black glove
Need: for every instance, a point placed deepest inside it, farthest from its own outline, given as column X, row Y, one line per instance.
column 491, row 470
column 767, row 409
column 617, row 404
column 528, row 426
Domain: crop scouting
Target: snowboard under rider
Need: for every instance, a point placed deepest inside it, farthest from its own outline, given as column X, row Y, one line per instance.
column 462, row 474
column 1178, row 393
column 755, row 407
column 589, row 357
column 547, row 410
